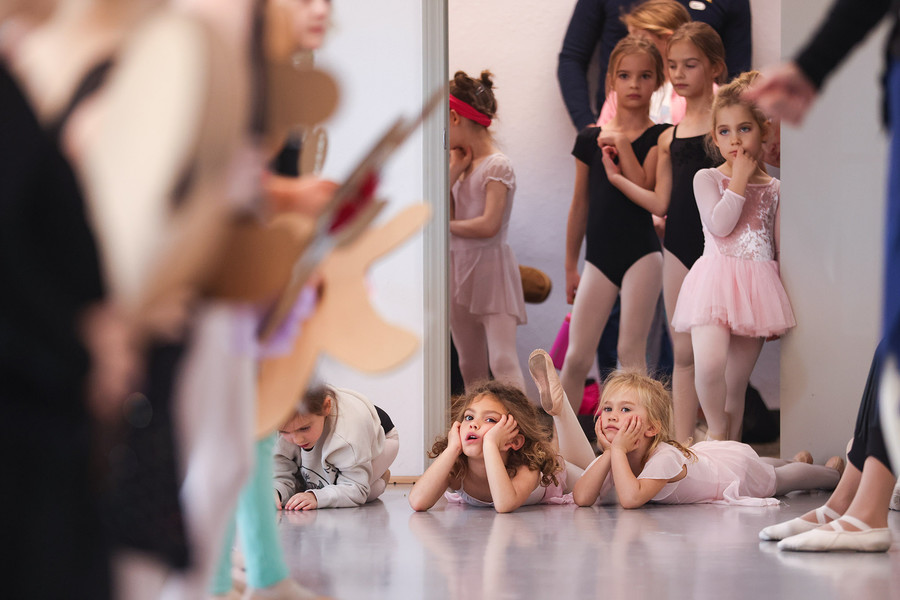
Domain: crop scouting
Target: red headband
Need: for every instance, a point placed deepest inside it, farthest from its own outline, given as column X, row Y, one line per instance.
column 469, row 112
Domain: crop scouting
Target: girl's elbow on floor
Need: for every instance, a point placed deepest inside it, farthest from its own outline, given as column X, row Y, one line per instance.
column 628, row 503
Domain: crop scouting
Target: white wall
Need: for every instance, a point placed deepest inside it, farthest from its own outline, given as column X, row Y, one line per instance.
column 535, row 131
column 380, row 77
column 831, row 238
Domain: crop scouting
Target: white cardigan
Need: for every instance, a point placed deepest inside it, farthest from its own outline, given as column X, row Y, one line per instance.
column 338, row 469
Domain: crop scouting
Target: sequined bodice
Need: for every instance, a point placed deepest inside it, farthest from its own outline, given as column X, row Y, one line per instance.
column 753, row 237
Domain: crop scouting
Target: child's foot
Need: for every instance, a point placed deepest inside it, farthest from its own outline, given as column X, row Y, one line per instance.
column 286, row 589
column 387, row 476
column 815, row 518
column 836, row 463
column 803, row 456
column 540, row 365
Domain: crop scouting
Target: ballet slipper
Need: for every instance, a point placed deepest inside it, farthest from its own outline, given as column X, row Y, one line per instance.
column 836, row 463
column 867, row 539
column 286, row 589
column 803, row 456
column 786, row 529
column 895, row 498
column 540, row 365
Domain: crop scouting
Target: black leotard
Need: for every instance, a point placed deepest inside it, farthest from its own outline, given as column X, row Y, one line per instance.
column 619, row 232
column 684, row 232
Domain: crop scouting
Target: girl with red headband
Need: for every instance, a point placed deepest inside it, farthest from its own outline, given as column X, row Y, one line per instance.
column 486, row 301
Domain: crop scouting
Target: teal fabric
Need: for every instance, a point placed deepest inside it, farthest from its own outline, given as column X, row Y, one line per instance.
column 257, row 523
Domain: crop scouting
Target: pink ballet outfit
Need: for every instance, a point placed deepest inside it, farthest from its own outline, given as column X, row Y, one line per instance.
column 728, row 473
column 484, row 273
column 551, row 494
column 736, row 283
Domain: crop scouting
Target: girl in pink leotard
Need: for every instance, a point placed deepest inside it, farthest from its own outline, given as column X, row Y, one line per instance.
column 642, row 463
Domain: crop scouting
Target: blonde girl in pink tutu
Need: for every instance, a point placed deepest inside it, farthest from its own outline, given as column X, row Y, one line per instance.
column 642, row 463
column 733, row 299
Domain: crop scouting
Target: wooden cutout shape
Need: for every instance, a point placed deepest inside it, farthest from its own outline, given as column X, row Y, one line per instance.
column 345, row 325
column 296, row 97
column 256, row 260
column 172, row 103
column 351, row 195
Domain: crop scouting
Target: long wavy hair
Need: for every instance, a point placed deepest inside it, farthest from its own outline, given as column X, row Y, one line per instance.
column 537, row 453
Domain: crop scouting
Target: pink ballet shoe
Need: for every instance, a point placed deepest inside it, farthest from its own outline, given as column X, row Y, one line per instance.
column 540, row 365
column 803, row 456
column 867, row 539
column 780, row 531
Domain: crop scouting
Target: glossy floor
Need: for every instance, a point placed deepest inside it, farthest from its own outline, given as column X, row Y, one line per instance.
column 385, row 550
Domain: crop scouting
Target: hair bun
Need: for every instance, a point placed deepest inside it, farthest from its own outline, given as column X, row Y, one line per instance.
column 487, row 79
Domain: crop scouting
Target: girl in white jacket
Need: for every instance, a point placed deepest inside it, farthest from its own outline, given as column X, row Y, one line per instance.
column 333, row 452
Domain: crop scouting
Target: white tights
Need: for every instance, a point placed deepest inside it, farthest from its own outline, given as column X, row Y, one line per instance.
column 485, row 341
column 594, row 300
column 684, row 393
column 723, row 363
column 216, row 396
column 791, row 476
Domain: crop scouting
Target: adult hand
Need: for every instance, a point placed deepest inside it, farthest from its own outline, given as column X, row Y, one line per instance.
column 306, row 195
column 302, row 501
column 783, row 92
column 115, row 363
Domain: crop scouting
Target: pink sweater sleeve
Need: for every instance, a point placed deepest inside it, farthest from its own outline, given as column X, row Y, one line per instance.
column 718, row 211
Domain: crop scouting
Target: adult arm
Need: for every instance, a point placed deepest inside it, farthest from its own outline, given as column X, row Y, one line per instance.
column 847, row 24
column 737, row 38
column 579, row 44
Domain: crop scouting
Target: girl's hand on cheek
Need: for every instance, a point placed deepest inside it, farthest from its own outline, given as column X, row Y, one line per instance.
column 454, row 439
column 602, row 440
column 503, row 432
column 629, row 434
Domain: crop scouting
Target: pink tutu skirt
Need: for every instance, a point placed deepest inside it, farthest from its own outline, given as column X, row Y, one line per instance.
column 746, row 296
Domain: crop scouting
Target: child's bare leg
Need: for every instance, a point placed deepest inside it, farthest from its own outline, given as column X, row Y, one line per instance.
column 593, row 303
column 742, row 355
column 640, row 294
column 710, row 357
column 873, row 495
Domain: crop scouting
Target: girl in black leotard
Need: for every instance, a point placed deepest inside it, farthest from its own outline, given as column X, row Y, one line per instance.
column 622, row 251
column 695, row 60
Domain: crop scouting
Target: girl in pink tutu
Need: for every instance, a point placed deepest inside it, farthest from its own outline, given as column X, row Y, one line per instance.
column 642, row 463
column 486, row 300
column 732, row 299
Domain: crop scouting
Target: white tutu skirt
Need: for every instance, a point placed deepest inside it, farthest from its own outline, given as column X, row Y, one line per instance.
column 746, row 296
